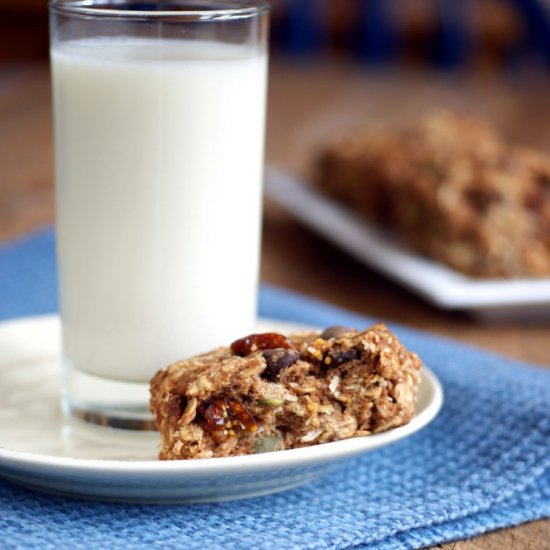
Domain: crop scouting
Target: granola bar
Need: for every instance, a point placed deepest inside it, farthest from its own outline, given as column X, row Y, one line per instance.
column 268, row 392
column 454, row 191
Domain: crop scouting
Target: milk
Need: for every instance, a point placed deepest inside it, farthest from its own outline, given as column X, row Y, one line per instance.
column 159, row 153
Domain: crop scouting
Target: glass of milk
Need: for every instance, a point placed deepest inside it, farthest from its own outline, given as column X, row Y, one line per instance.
column 159, row 115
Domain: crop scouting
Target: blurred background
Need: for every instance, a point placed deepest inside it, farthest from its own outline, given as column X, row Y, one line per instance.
column 469, row 34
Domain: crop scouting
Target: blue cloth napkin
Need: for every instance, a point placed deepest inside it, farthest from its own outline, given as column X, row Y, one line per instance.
column 483, row 463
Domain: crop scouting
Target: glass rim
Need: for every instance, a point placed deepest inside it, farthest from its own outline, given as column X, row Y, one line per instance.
column 87, row 8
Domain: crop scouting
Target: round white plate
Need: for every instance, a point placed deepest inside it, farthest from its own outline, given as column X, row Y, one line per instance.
column 41, row 449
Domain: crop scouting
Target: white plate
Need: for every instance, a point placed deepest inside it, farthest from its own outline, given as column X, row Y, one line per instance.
column 436, row 283
column 41, row 449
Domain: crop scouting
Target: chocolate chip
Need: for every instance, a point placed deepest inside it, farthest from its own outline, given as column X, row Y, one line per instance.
column 337, row 357
column 334, row 332
column 277, row 360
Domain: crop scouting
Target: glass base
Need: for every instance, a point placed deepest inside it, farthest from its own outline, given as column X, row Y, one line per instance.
column 106, row 402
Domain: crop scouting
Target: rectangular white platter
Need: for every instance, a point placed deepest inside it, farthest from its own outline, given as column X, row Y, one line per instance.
column 435, row 283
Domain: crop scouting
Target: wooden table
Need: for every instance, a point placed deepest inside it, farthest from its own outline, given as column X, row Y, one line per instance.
column 306, row 105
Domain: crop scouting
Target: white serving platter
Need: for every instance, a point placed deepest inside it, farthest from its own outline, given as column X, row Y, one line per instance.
column 437, row 284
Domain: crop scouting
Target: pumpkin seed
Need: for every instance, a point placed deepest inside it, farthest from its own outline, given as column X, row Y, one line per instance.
column 268, row 444
column 270, row 402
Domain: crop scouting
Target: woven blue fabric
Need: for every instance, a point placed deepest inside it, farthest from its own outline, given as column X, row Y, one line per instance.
column 483, row 463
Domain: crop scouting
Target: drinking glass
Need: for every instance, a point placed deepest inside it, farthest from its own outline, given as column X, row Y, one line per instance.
column 159, row 112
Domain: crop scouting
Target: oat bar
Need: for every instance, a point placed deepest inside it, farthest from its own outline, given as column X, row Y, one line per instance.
column 453, row 190
column 268, row 392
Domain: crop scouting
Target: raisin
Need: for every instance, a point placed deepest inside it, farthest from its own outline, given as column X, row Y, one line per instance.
column 216, row 415
column 278, row 359
column 335, row 332
column 255, row 342
column 337, row 357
